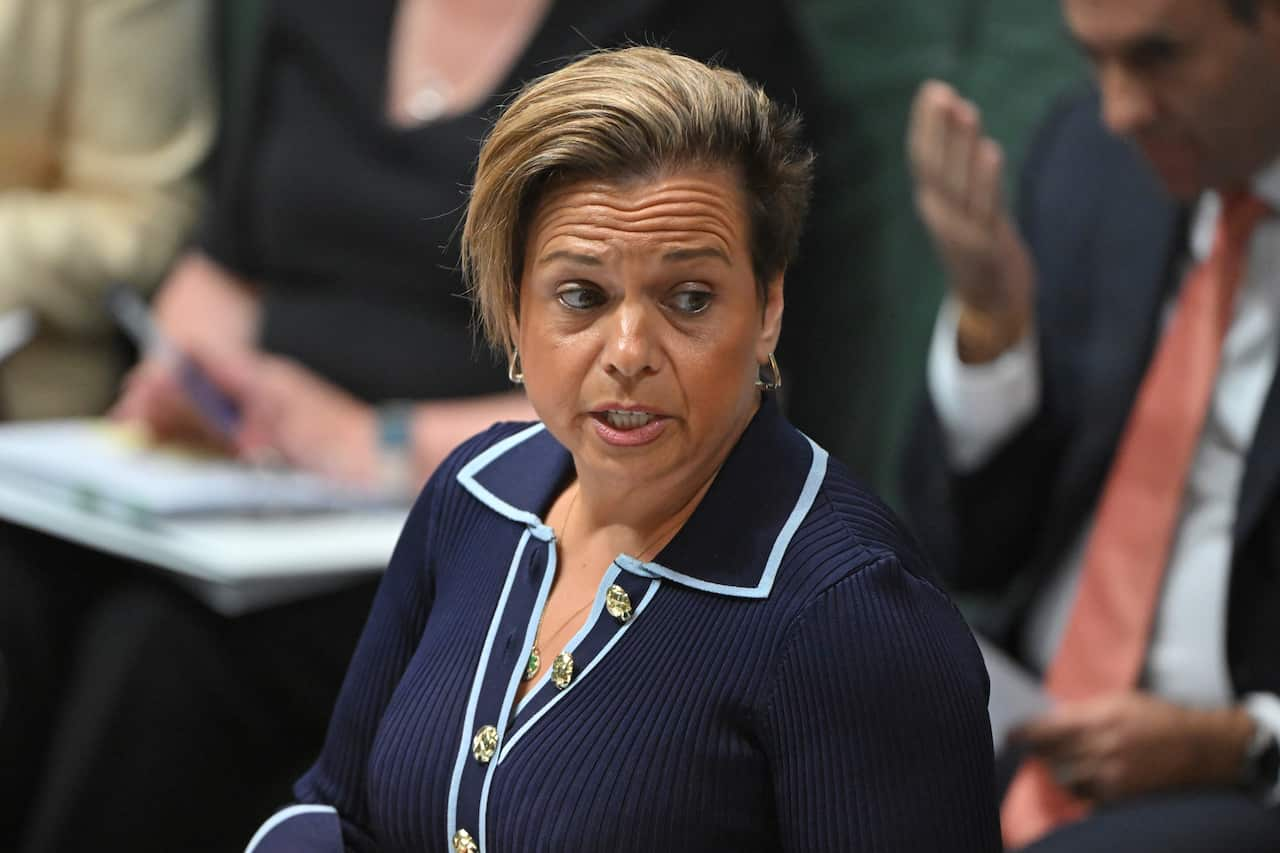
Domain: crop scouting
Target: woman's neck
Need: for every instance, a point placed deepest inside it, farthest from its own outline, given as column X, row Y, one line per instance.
column 633, row 525
column 640, row 519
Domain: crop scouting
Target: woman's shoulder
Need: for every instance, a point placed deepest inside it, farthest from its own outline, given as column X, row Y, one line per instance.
column 473, row 448
column 850, row 528
column 852, row 552
column 855, row 582
column 444, row 486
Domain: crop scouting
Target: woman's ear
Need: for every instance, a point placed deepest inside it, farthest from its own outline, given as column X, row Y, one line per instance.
column 771, row 326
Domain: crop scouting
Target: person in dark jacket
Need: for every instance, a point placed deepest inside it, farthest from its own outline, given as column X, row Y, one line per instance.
column 323, row 293
column 1099, row 445
column 659, row 618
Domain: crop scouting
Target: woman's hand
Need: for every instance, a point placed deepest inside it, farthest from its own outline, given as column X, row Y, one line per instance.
column 286, row 412
column 1128, row 744
column 289, row 412
column 205, row 312
column 293, row 413
column 153, row 396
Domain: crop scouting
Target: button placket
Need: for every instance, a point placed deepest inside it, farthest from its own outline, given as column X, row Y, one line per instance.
column 589, row 649
column 493, row 688
column 566, row 665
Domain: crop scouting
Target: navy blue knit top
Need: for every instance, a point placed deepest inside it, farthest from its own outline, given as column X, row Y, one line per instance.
column 787, row 678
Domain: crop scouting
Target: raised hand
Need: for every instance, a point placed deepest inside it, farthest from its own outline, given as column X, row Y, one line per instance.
column 958, row 173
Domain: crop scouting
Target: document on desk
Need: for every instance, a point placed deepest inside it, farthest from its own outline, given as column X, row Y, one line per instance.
column 1016, row 693
column 109, row 467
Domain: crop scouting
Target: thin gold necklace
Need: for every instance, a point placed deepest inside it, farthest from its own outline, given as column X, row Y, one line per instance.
column 562, row 669
column 534, row 665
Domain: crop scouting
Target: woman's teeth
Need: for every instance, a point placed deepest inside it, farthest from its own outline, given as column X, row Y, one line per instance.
column 627, row 420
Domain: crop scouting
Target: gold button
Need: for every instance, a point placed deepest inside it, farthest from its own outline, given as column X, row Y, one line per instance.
column 485, row 744
column 562, row 670
column 618, row 603
column 463, row 842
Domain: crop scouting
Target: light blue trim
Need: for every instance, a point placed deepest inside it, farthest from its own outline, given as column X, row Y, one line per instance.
column 530, row 635
column 808, row 494
column 597, row 604
column 467, row 477
column 515, row 738
column 812, row 483
column 285, row 814
column 469, row 721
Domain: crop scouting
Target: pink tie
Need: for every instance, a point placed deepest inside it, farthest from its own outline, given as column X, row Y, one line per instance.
column 1106, row 638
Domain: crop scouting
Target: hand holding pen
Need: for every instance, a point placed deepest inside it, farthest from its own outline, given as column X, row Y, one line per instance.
column 170, row 391
column 254, row 405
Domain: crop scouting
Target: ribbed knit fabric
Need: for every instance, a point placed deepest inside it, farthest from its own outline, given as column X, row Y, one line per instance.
column 833, row 702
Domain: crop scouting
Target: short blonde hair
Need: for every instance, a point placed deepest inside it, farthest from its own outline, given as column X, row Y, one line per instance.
column 616, row 115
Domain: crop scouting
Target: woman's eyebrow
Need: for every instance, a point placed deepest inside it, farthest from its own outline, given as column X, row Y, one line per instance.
column 573, row 257
column 697, row 254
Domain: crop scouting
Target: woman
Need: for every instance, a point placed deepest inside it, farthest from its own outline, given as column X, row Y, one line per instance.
column 659, row 619
column 323, row 291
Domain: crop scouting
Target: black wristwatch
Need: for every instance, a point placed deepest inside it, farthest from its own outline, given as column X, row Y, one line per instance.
column 1261, row 771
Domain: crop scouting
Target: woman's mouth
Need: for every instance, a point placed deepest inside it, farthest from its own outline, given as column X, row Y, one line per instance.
column 626, row 420
column 628, row 427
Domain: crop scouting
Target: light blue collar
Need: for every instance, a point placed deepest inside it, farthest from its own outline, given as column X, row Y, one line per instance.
column 735, row 540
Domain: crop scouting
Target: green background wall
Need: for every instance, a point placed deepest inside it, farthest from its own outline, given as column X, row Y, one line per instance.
column 1012, row 57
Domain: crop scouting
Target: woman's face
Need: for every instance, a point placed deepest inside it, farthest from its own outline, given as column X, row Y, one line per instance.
column 641, row 325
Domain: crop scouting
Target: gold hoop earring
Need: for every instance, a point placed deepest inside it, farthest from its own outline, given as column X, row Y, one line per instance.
column 515, row 371
column 770, row 383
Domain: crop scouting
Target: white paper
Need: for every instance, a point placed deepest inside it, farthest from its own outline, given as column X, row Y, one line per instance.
column 107, row 468
column 1016, row 694
column 235, row 563
column 17, row 328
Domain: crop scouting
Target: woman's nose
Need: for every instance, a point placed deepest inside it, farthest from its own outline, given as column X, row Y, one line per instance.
column 631, row 351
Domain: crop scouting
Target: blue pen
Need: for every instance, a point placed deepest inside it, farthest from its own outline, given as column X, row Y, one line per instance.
column 213, row 405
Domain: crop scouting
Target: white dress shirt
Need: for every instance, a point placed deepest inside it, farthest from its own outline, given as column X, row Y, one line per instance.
column 982, row 406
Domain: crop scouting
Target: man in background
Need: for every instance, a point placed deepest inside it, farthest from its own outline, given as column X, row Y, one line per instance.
column 1101, row 444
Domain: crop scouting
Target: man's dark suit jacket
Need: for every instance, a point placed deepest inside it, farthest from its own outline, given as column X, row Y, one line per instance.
column 1108, row 244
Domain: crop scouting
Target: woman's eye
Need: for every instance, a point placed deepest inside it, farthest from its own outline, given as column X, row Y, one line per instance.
column 579, row 297
column 691, row 301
